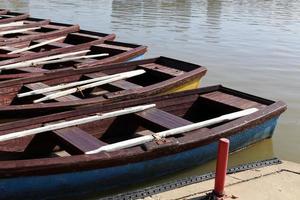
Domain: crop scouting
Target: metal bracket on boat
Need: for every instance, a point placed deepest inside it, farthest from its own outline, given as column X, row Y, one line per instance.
column 143, row 193
column 79, row 90
column 158, row 139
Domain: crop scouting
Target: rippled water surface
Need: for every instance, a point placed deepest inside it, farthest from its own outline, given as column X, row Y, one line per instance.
column 250, row 45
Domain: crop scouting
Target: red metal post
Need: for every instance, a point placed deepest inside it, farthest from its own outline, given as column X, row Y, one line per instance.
column 221, row 168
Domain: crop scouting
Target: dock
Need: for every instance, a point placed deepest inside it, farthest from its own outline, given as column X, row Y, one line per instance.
column 270, row 179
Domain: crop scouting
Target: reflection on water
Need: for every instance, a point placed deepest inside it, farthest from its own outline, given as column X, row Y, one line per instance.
column 136, row 15
column 249, row 45
column 19, row 5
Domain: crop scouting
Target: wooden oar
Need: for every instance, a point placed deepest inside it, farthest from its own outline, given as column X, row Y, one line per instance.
column 76, row 122
column 29, row 63
column 175, row 131
column 21, row 23
column 91, row 85
column 72, row 59
column 68, row 85
column 18, row 30
column 36, row 45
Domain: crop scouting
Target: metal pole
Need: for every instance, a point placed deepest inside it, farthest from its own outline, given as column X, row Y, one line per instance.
column 221, row 168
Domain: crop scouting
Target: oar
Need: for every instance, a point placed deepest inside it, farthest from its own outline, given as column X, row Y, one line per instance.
column 68, row 85
column 76, row 122
column 91, row 85
column 18, row 30
column 36, row 45
column 175, row 131
column 29, row 63
column 21, row 23
column 72, row 59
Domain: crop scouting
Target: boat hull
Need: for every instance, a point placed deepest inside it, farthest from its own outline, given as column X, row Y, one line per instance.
column 190, row 85
column 139, row 57
column 82, row 183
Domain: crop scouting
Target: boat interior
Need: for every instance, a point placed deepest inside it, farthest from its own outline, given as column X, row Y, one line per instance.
column 39, row 30
column 116, row 52
column 156, row 71
column 171, row 111
column 70, row 39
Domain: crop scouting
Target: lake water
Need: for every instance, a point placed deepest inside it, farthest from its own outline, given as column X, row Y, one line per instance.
column 249, row 45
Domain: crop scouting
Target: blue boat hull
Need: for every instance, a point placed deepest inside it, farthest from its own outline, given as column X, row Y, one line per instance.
column 139, row 57
column 94, row 181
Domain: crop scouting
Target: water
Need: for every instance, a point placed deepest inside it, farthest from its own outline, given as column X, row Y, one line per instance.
column 249, row 45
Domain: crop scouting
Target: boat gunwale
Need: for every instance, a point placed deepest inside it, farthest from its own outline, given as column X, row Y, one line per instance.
column 141, row 49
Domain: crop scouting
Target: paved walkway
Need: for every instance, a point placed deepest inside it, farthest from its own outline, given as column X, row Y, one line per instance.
column 273, row 182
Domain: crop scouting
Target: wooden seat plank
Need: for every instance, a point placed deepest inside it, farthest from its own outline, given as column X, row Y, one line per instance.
column 76, row 141
column 162, row 118
column 231, row 100
column 162, row 69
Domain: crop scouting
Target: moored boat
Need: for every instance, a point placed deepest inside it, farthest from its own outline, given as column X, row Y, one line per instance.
column 33, row 46
column 17, row 29
column 90, row 85
column 53, row 157
column 96, row 51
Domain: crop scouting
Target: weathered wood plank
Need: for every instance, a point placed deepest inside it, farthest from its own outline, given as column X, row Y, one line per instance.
column 163, row 69
column 162, row 118
column 231, row 100
column 76, row 141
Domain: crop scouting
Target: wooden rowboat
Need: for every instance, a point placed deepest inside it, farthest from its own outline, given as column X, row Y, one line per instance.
column 110, row 152
column 20, row 35
column 160, row 75
column 107, row 52
column 65, row 43
column 8, row 16
column 28, row 57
